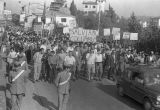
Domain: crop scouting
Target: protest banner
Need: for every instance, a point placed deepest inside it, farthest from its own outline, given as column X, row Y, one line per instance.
column 134, row 36
column 126, row 35
column 82, row 35
column 116, row 33
column 107, row 32
column 65, row 30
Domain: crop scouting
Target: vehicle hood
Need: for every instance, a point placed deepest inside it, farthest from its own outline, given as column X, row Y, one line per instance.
column 154, row 89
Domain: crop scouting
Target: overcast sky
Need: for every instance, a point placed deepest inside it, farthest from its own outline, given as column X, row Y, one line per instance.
column 122, row 7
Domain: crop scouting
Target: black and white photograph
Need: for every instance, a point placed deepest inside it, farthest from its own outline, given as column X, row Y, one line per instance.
column 79, row 54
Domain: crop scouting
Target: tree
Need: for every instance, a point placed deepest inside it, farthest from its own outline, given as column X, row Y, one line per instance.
column 80, row 18
column 73, row 9
column 133, row 24
column 16, row 19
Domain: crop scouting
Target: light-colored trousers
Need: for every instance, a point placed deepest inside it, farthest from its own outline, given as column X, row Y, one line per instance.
column 37, row 70
column 62, row 101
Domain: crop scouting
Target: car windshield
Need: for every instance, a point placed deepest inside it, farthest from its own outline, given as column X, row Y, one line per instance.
column 152, row 79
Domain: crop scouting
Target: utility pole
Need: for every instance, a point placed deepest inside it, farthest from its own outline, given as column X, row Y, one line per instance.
column 43, row 19
column 99, row 17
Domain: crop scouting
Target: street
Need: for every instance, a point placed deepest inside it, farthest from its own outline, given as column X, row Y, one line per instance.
column 84, row 96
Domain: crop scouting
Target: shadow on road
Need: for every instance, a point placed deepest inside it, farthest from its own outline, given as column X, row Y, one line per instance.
column 44, row 102
column 112, row 91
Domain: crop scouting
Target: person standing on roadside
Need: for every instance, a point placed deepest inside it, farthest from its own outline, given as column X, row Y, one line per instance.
column 63, row 84
column 17, row 81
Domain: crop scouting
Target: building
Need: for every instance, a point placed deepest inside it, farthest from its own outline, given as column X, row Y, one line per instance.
column 156, row 21
column 94, row 6
column 61, row 19
column 2, row 8
column 144, row 24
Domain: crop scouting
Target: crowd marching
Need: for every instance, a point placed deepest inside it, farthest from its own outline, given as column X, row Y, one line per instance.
column 49, row 56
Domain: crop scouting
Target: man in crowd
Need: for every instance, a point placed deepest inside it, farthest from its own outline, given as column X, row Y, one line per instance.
column 77, row 56
column 38, row 63
column 99, row 65
column 70, row 60
column 53, row 62
column 91, row 57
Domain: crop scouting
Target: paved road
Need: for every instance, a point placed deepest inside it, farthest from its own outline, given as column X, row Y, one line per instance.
column 84, row 96
column 99, row 96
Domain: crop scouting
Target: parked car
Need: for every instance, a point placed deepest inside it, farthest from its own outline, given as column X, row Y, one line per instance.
column 142, row 83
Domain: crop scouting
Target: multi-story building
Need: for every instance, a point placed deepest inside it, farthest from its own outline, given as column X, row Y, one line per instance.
column 94, row 6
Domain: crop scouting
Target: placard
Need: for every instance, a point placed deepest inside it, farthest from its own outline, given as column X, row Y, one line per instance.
column 107, row 32
column 116, row 33
column 134, row 36
column 82, row 35
column 126, row 35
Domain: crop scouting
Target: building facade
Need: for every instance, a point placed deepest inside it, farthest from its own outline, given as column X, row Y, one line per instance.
column 95, row 6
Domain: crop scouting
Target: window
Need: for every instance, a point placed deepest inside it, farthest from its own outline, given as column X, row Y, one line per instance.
column 63, row 20
column 94, row 6
column 138, row 77
column 86, row 6
column 128, row 75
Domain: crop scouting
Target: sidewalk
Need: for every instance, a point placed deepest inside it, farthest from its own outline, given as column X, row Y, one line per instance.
column 39, row 96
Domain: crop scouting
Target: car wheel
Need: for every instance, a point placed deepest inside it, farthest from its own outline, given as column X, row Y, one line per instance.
column 120, row 91
column 147, row 105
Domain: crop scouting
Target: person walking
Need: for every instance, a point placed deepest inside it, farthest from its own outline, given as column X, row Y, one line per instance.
column 38, row 64
column 91, row 58
column 99, row 65
column 63, row 84
column 53, row 62
column 70, row 60
column 77, row 55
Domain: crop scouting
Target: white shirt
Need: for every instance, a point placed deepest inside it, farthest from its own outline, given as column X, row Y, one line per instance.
column 99, row 57
column 55, row 48
column 70, row 60
column 11, row 55
column 44, row 47
column 69, row 49
column 90, row 58
column 37, row 57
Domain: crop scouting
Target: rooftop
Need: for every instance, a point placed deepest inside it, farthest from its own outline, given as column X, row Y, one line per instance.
column 57, row 13
column 90, row 2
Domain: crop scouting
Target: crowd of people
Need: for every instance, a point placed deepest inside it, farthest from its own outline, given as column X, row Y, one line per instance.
column 49, row 57
column 93, row 61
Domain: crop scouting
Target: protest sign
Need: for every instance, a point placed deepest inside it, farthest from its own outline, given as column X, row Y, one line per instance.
column 134, row 36
column 66, row 30
column 116, row 33
column 107, row 32
column 82, row 35
column 126, row 35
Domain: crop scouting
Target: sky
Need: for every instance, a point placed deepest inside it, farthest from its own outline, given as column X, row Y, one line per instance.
column 121, row 7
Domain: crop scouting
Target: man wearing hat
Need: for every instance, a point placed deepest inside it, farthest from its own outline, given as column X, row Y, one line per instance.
column 63, row 84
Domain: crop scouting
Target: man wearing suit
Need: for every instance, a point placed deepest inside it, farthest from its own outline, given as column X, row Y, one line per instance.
column 63, row 84
column 77, row 56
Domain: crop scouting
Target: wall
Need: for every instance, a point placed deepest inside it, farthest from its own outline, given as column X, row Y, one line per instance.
column 70, row 21
column 90, row 8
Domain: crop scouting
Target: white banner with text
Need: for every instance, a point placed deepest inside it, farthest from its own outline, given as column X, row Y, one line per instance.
column 83, row 35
